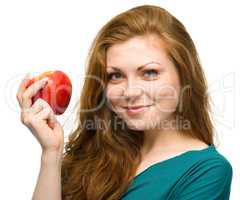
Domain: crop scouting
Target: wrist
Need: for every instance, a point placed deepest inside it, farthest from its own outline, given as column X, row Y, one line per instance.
column 51, row 156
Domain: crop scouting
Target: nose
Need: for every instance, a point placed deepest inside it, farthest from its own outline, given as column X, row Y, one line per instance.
column 132, row 91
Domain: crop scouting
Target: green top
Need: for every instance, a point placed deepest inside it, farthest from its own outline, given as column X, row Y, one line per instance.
column 193, row 175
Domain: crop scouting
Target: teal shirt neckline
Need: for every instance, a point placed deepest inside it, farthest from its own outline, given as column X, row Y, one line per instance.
column 195, row 174
column 173, row 158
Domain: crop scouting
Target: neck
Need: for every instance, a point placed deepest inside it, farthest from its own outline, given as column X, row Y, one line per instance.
column 165, row 139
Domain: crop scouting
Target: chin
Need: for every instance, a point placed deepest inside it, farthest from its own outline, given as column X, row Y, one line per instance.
column 137, row 125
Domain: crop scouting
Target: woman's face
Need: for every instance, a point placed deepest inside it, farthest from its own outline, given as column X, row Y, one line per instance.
column 141, row 74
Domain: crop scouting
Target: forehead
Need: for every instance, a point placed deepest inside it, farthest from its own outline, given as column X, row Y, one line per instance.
column 136, row 52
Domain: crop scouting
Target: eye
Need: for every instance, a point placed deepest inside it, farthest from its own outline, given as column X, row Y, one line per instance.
column 151, row 73
column 116, row 75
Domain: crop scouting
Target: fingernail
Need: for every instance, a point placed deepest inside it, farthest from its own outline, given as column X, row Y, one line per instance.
column 44, row 80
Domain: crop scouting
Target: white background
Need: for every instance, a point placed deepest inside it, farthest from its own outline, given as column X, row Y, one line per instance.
column 36, row 36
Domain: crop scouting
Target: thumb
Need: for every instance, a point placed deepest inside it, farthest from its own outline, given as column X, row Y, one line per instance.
column 52, row 121
column 57, row 126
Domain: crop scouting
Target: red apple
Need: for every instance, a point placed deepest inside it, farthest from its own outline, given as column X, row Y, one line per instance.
column 57, row 92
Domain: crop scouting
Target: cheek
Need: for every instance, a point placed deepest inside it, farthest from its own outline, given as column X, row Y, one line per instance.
column 169, row 88
column 166, row 97
column 162, row 89
column 167, row 91
column 114, row 93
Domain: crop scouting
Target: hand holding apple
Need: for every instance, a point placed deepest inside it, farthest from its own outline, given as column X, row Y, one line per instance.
column 57, row 92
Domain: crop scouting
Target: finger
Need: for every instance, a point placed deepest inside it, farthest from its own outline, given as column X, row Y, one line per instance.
column 57, row 126
column 52, row 121
column 45, row 105
column 51, row 118
column 44, row 114
column 22, row 87
column 47, row 114
column 31, row 91
column 37, row 106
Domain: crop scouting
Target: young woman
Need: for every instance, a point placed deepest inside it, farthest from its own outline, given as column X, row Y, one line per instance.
column 145, row 84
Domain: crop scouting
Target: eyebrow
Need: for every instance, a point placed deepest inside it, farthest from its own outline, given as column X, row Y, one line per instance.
column 140, row 67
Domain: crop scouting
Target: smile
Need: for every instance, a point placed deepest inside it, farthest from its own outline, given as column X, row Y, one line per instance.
column 136, row 109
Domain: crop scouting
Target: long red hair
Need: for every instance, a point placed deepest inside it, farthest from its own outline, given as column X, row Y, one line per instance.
column 99, row 163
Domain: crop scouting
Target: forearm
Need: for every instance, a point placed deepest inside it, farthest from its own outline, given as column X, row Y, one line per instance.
column 48, row 185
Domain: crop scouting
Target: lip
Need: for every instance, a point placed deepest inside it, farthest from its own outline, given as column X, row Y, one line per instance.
column 136, row 109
